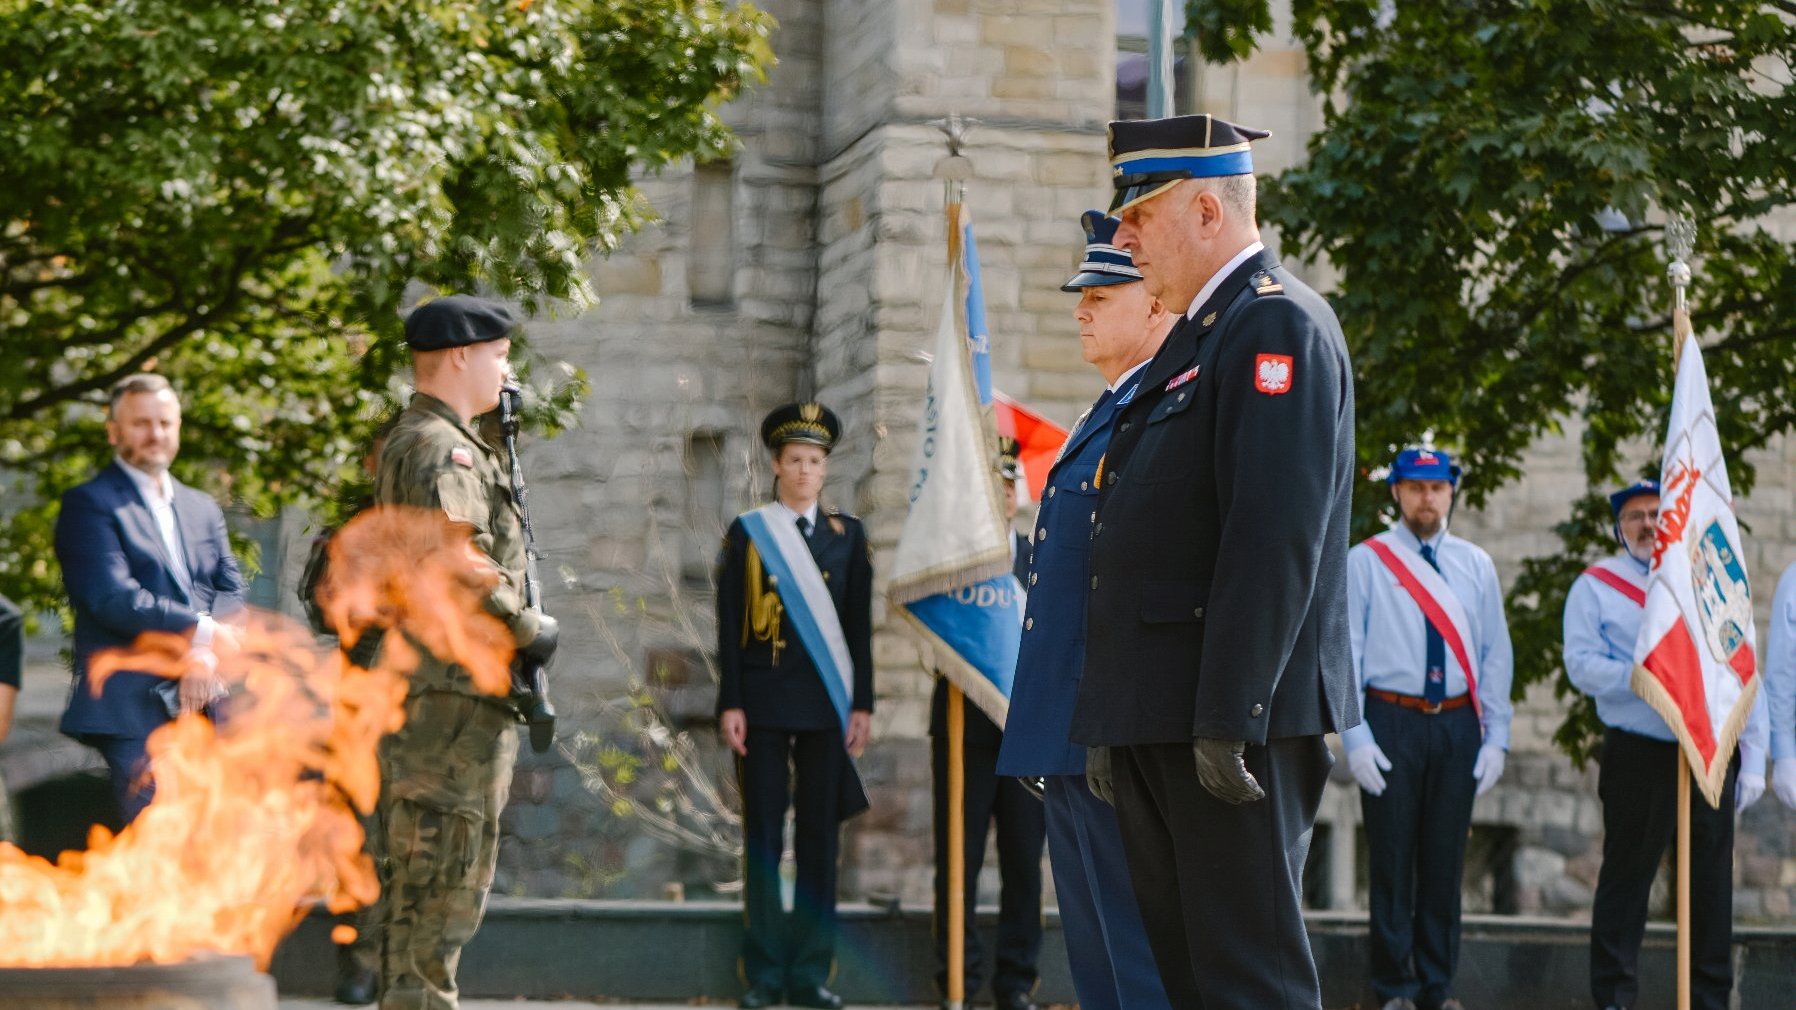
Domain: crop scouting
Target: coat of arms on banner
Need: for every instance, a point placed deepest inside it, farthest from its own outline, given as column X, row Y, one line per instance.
column 1723, row 599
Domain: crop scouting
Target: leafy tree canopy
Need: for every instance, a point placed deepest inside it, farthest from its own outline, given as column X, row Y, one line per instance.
column 237, row 194
column 1491, row 183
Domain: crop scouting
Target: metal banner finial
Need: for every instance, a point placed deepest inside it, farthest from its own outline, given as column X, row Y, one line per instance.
column 1680, row 242
column 956, row 167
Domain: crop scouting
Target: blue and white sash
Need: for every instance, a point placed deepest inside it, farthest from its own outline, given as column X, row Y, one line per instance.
column 789, row 565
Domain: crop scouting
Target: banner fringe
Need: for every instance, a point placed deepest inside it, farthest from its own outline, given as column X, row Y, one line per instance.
column 948, row 663
column 1708, row 779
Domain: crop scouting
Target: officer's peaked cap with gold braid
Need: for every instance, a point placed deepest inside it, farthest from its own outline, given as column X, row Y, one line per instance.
column 810, row 423
column 1147, row 156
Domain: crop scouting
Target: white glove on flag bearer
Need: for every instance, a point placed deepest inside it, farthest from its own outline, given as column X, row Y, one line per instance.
column 1693, row 661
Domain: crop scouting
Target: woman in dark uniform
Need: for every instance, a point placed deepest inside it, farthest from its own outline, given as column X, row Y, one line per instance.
column 794, row 647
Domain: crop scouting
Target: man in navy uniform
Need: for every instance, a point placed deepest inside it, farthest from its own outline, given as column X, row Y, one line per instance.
column 794, row 700
column 1120, row 328
column 991, row 800
column 1638, row 779
column 1431, row 653
column 1216, row 651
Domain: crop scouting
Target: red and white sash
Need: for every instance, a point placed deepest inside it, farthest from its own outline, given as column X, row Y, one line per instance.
column 1618, row 575
column 1440, row 606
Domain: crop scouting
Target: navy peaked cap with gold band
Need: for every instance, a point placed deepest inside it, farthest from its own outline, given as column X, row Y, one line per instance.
column 1104, row 262
column 810, row 423
column 457, row 321
column 1149, row 155
column 1008, row 467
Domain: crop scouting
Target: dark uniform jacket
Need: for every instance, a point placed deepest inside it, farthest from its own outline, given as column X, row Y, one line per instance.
column 770, row 676
column 1051, row 660
column 1217, row 601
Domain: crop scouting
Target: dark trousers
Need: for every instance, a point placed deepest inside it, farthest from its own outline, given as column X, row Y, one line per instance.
column 1415, row 847
column 1106, row 944
column 1220, row 884
column 1638, row 786
column 801, row 770
column 128, row 765
column 1022, row 831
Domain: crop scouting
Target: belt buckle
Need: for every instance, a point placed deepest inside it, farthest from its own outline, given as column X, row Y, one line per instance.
column 1431, row 709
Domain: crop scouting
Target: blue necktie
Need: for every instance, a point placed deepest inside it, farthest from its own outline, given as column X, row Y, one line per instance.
column 1096, row 409
column 804, row 527
column 1434, row 684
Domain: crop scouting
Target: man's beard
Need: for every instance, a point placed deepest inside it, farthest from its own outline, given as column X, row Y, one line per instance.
column 1637, row 552
column 1424, row 531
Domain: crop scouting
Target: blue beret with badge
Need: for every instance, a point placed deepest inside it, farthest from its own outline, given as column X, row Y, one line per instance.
column 1424, row 464
column 1634, row 490
column 1104, row 262
column 810, row 423
column 458, row 321
column 1148, row 156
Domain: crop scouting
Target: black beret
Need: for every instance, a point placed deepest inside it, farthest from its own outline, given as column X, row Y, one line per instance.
column 811, row 423
column 457, row 321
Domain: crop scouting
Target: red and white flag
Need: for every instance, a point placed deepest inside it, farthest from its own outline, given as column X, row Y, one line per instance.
column 1693, row 661
column 1038, row 439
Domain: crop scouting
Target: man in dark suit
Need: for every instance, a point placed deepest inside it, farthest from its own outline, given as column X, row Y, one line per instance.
column 991, row 800
column 1120, row 328
column 141, row 551
column 1216, row 652
column 794, row 701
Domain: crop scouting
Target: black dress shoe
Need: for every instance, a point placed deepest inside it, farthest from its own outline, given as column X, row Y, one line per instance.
column 1013, row 1001
column 357, row 986
column 759, row 996
column 815, row 996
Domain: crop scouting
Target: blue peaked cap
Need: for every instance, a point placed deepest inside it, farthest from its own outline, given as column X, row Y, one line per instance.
column 1634, row 490
column 1149, row 156
column 1424, row 464
column 1104, row 262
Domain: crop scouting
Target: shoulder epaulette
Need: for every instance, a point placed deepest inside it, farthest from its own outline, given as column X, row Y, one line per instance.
column 1264, row 284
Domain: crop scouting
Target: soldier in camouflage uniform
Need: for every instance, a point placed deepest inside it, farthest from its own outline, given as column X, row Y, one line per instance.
column 445, row 775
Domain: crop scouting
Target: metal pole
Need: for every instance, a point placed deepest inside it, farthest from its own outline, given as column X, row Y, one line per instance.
column 1159, row 59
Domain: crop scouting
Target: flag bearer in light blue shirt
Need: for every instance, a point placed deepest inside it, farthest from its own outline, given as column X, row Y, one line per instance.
column 1432, row 655
column 1638, row 778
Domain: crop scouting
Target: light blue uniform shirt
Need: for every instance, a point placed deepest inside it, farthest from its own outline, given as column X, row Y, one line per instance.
column 1600, row 628
column 1779, row 690
column 1389, row 633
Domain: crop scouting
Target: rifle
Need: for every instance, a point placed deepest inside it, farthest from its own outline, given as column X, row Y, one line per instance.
column 529, row 677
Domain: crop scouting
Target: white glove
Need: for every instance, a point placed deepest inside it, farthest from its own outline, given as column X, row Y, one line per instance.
column 1489, row 766
column 1748, row 790
column 1783, row 779
column 1368, row 765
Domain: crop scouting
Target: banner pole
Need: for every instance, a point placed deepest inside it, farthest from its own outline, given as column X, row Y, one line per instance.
column 1680, row 233
column 1683, row 952
column 957, row 845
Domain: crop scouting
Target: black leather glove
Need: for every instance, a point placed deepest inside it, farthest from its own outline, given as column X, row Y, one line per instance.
column 1097, row 774
column 1222, row 772
column 548, row 636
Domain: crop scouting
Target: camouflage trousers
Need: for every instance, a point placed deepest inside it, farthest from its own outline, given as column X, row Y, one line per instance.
column 444, row 778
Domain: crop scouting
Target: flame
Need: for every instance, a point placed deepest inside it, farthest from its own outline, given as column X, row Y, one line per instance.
column 253, row 819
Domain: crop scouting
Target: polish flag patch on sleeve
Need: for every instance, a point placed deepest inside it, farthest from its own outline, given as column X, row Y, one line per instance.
column 1272, row 374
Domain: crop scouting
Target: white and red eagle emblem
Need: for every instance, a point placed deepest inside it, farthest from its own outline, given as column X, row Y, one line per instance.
column 1272, row 374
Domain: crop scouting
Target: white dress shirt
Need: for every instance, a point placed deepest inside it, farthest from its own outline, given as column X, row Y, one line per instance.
column 1216, row 279
column 158, row 494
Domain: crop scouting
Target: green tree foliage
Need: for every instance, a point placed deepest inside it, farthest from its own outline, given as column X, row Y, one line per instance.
column 237, row 194
column 1491, row 182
